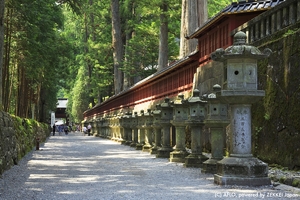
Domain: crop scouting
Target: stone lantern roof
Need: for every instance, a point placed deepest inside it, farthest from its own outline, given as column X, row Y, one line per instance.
column 240, row 49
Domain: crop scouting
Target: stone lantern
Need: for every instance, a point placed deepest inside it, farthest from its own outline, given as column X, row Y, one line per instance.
column 180, row 115
column 195, row 121
column 126, row 118
column 119, row 129
column 148, row 120
column 105, row 127
column 216, row 120
column 112, row 127
column 156, row 129
column 134, row 129
column 240, row 92
column 141, row 131
column 101, row 127
column 166, row 116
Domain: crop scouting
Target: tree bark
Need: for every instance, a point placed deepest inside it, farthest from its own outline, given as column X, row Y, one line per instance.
column 163, row 37
column 117, row 45
column 194, row 14
column 128, row 79
column 2, row 4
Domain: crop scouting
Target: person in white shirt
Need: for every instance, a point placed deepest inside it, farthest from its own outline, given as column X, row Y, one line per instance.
column 89, row 128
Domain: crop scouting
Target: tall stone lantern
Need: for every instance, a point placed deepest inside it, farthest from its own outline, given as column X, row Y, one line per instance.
column 126, row 119
column 148, row 120
column 216, row 120
column 156, row 129
column 180, row 110
column 195, row 122
column 240, row 92
column 166, row 116
column 134, row 129
column 141, row 131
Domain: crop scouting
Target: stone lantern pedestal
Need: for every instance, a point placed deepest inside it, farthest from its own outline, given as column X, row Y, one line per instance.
column 119, row 129
column 101, row 127
column 105, row 127
column 127, row 128
column 134, row 129
column 112, row 127
column 166, row 116
column 148, row 119
column 141, row 131
column 180, row 116
column 156, row 129
column 240, row 92
column 195, row 121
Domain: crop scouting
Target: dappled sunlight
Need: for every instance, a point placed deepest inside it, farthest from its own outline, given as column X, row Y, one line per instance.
column 106, row 167
column 126, row 191
column 69, row 192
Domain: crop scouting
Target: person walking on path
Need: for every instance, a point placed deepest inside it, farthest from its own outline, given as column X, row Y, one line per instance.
column 53, row 129
column 66, row 129
column 89, row 129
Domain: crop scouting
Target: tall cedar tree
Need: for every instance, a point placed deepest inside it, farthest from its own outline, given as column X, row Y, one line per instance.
column 117, row 45
column 2, row 4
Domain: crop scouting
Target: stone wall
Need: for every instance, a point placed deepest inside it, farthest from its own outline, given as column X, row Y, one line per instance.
column 17, row 138
column 276, row 118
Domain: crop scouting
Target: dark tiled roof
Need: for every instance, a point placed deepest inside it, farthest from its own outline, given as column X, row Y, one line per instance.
column 251, row 5
column 239, row 7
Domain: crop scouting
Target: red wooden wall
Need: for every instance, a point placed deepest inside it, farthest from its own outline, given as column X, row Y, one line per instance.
column 177, row 78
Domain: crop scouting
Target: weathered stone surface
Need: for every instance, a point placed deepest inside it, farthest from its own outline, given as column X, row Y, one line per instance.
column 16, row 140
column 242, row 171
column 276, row 118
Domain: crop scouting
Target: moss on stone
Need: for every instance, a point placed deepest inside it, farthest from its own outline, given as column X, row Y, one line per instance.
column 277, row 115
column 296, row 182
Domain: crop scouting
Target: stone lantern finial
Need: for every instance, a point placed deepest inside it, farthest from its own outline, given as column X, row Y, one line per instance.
column 239, row 38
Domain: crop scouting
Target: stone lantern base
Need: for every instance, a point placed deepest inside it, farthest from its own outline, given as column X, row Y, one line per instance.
column 178, row 156
column 194, row 160
column 133, row 144
column 164, row 152
column 146, row 148
column 139, row 146
column 248, row 171
column 210, row 166
column 154, row 150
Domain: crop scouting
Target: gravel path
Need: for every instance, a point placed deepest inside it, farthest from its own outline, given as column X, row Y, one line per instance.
column 82, row 167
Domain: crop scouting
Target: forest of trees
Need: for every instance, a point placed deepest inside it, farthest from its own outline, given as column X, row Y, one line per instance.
column 83, row 50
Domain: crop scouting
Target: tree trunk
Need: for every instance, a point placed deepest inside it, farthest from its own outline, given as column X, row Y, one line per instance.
column 194, row 14
column 163, row 37
column 91, row 66
column 6, row 76
column 128, row 79
column 2, row 4
column 117, row 45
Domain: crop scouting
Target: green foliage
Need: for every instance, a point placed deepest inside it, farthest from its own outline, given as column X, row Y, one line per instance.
column 65, row 50
column 39, row 51
column 215, row 7
column 290, row 32
column 80, row 96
